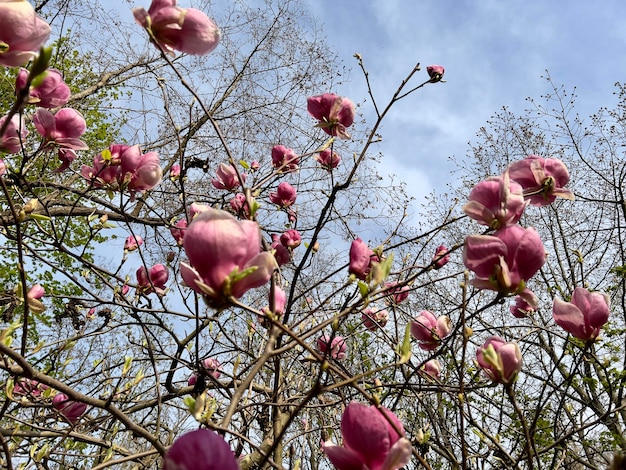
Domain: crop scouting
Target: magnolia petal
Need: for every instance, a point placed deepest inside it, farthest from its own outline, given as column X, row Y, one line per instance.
column 342, row 458
column 399, row 455
column 569, row 317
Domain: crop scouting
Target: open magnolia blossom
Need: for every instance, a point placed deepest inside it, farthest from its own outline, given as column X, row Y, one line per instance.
column 504, row 261
column 153, row 280
column 374, row 318
column 396, row 294
column 201, row 449
column 370, row 440
column 496, row 202
column 584, row 316
column 335, row 347
column 50, row 92
column 429, row 330
column 328, row 159
column 61, row 131
column 333, row 112
column 132, row 242
column 122, row 167
column 500, row 360
column 226, row 177
column 29, row 388
column 225, row 257
column 543, row 179
column 22, row 32
column 182, row 29
column 284, row 159
column 524, row 306
column 284, row 196
column 291, row 239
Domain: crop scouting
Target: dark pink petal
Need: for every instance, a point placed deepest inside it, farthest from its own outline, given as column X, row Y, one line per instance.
column 365, row 431
column 201, row 449
column 343, row 458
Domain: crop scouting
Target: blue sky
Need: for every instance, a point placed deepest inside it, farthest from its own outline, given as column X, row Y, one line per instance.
column 494, row 52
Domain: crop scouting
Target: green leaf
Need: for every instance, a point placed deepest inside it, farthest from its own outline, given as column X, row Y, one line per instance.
column 405, row 348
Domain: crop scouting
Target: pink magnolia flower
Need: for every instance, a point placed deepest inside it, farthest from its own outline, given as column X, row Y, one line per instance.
column 501, row 361
column 22, row 32
column 333, row 112
column 51, row 92
column 201, row 449
column 14, row 134
column 496, row 202
column 175, row 172
column 284, row 196
column 335, row 347
column 225, row 257
column 25, row 387
column 542, row 179
column 284, row 159
column 226, row 177
column 211, row 366
column 435, row 72
column 36, row 292
column 504, row 261
column 133, row 242
column 431, row 368
column 370, row 440
column 173, row 28
column 328, row 159
column 280, row 300
column 361, row 258
column 522, row 307
column 3, row 167
column 291, row 239
column 123, row 167
column 584, row 316
column 441, row 257
column 62, row 132
column 374, row 318
column 254, row 166
column 33, row 298
column 178, row 231
column 239, row 205
column 396, row 295
column 153, row 280
column 429, row 330
column 140, row 171
column 281, row 252
column 72, row 410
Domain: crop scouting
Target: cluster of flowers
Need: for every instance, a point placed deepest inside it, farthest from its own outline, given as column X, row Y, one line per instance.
column 504, row 261
column 22, row 34
column 30, row 389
